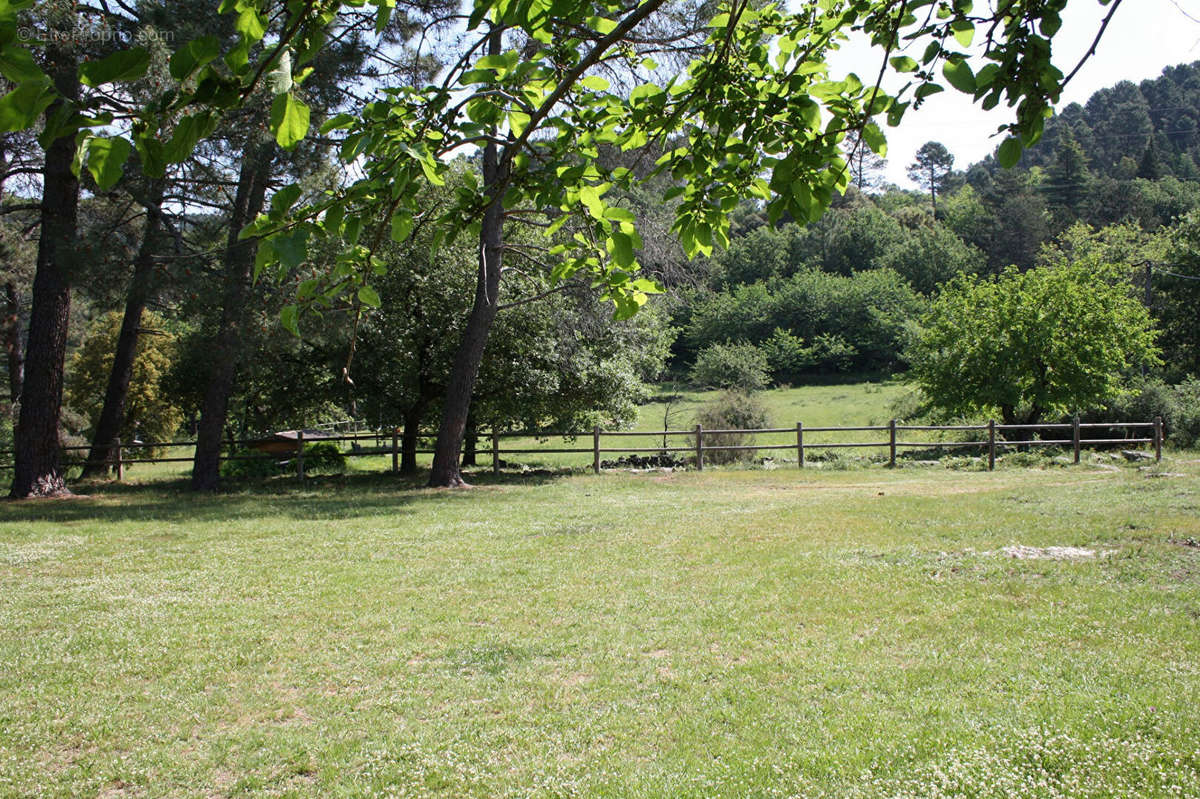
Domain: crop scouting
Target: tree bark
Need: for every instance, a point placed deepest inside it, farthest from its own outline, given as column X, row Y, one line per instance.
column 239, row 267
column 112, row 415
column 470, row 445
column 12, row 342
column 446, row 471
column 37, row 464
column 410, row 438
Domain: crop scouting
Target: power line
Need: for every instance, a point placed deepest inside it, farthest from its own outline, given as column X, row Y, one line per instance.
column 1162, row 271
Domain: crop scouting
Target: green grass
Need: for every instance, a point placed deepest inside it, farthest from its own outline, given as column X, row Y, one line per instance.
column 731, row 633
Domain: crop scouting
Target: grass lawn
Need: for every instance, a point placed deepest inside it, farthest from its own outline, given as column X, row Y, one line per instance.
column 728, row 633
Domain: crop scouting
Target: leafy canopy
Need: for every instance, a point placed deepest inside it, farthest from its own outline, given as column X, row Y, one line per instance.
column 760, row 114
column 1055, row 339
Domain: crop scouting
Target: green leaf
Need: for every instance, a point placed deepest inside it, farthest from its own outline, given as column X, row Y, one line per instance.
column 250, row 24
column 368, row 296
column 402, row 227
column 123, row 65
column 959, row 73
column 964, row 32
column 927, row 89
column 292, row 248
column 289, row 317
column 621, row 247
column 284, row 199
column 17, row 64
column 903, row 63
column 106, row 160
column 1009, row 152
column 193, row 55
column 289, row 120
column 339, row 122
column 618, row 214
column 190, row 130
column 517, row 122
column 875, row 139
column 595, row 83
column 591, row 198
column 23, row 106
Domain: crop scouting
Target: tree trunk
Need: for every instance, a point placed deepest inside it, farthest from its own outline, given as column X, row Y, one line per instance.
column 470, row 445
column 445, row 471
column 410, row 438
column 112, row 415
column 239, row 267
column 12, row 342
column 37, row 469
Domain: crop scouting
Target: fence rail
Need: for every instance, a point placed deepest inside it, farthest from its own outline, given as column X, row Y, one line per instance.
column 993, row 442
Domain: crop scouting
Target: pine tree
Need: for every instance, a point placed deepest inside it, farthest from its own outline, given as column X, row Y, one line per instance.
column 1068, row 180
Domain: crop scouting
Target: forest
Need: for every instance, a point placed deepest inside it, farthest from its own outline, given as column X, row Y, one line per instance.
column 183, row 324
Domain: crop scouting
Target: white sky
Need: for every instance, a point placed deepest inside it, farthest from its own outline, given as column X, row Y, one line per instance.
column 1144, row 37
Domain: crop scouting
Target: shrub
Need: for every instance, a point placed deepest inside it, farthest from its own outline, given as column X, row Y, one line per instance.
column 256, row 466
column 787, row 355
column 319, row 457
column 1183, row 423
column 324, row 457
column 733, row 410
column 738, row 366
column 1178, row 405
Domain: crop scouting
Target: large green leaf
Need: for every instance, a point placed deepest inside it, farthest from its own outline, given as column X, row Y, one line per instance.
column 17, row 64
column 106, row 160
column 1009, row 152
column 959, row 73
column 194, row 55
column 21, row 108
column 289, row 120
column 123, row 65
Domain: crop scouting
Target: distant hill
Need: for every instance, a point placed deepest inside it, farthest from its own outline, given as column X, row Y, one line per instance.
column 1149, row 129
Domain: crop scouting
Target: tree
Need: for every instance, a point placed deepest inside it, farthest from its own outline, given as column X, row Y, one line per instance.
column 1068, row 180
column 150, row 414
column 931, row 169
column 1055, row 339
column 1176, row 298
column 867, row 168
column 739, row 366
column 559, row 363
column 756, row 112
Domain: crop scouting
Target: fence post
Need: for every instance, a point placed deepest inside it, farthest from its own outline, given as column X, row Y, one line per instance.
column 395, row 450
column 596, row 449
column 495, row 452
column 300, row 454
column 120, row 459
column 1158, row 438
column 699, row 448
column 1075, row 436
column 800, row 444
column 892, row 444
column 991, row 445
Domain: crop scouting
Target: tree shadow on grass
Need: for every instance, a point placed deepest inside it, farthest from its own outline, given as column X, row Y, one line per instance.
column 318, row 498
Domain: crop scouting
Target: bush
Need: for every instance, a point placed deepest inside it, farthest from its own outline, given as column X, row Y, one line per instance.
column 733, row 410
column 324, row 457
column 320, row 457
column 1178, row 405
column 738, row 366
column 1183, row 423
column 787, row 355
column 256, row 466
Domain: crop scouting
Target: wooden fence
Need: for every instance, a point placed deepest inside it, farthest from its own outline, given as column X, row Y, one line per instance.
column 896, row 437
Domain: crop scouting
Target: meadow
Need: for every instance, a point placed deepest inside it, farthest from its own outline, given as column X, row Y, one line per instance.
column 858, row 633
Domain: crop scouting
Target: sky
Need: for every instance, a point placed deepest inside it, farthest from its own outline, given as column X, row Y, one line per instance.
column 1144, row 37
